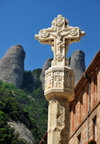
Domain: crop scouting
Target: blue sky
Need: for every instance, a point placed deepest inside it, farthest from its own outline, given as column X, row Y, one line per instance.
column 20, row 20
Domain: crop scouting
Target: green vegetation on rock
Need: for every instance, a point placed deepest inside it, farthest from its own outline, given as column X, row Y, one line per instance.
column 26, row 105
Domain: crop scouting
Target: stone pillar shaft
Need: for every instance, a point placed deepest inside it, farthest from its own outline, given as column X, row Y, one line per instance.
column 58, row 121
column 59, row 90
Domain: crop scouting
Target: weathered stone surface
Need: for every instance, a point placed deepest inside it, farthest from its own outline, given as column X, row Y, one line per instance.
column 59, row 36
column 24, row 132
column 47, row 64
column 77, row 63
column 58, row 121
column 59, row 82
column 12, row 65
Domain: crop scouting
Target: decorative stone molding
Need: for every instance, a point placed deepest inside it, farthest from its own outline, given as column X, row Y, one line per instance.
column 59, row 82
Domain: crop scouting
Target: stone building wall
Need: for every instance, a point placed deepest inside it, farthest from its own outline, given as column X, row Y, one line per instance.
column 85, row 130
column 85, row 109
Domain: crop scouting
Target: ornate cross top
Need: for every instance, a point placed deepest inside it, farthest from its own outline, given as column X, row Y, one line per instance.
column 60, row 35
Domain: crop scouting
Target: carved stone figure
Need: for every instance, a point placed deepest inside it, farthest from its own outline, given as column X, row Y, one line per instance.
column 59, row 36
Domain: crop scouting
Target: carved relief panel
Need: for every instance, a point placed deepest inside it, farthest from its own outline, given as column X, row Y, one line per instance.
column 48, row 81
column 68, row 80
column 60, row 115
column 59, row 80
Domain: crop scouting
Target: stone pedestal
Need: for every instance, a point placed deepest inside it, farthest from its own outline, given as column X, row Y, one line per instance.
column 59, row 82
column 58, row 121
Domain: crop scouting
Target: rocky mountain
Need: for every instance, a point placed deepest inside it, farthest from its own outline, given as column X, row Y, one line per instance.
column 12, row 65
column 24, row 132
column 77, row 63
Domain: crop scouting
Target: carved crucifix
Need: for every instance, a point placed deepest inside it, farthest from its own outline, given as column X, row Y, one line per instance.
column 60, row 35
column 59, row 79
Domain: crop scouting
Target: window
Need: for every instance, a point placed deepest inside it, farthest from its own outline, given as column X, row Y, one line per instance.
column 79, row 139
column 95, row 128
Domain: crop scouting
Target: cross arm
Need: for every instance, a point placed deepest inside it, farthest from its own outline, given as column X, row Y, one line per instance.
column 45, row 36
column 72, row 34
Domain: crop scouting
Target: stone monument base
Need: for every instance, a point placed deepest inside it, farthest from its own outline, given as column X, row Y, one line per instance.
column 59, row 82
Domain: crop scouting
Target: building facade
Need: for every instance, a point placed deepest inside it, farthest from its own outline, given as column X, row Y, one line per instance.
column 85, row 109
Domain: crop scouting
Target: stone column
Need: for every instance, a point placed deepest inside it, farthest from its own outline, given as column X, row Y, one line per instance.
column 78, row 113
column 58, row 121
column 72, row 121
column 59, row 90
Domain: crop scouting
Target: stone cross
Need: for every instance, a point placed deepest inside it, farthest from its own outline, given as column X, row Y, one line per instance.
column 60, row 35
column 59, row 78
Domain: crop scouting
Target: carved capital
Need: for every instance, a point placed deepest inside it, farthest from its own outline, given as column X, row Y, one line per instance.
column 59, row 82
